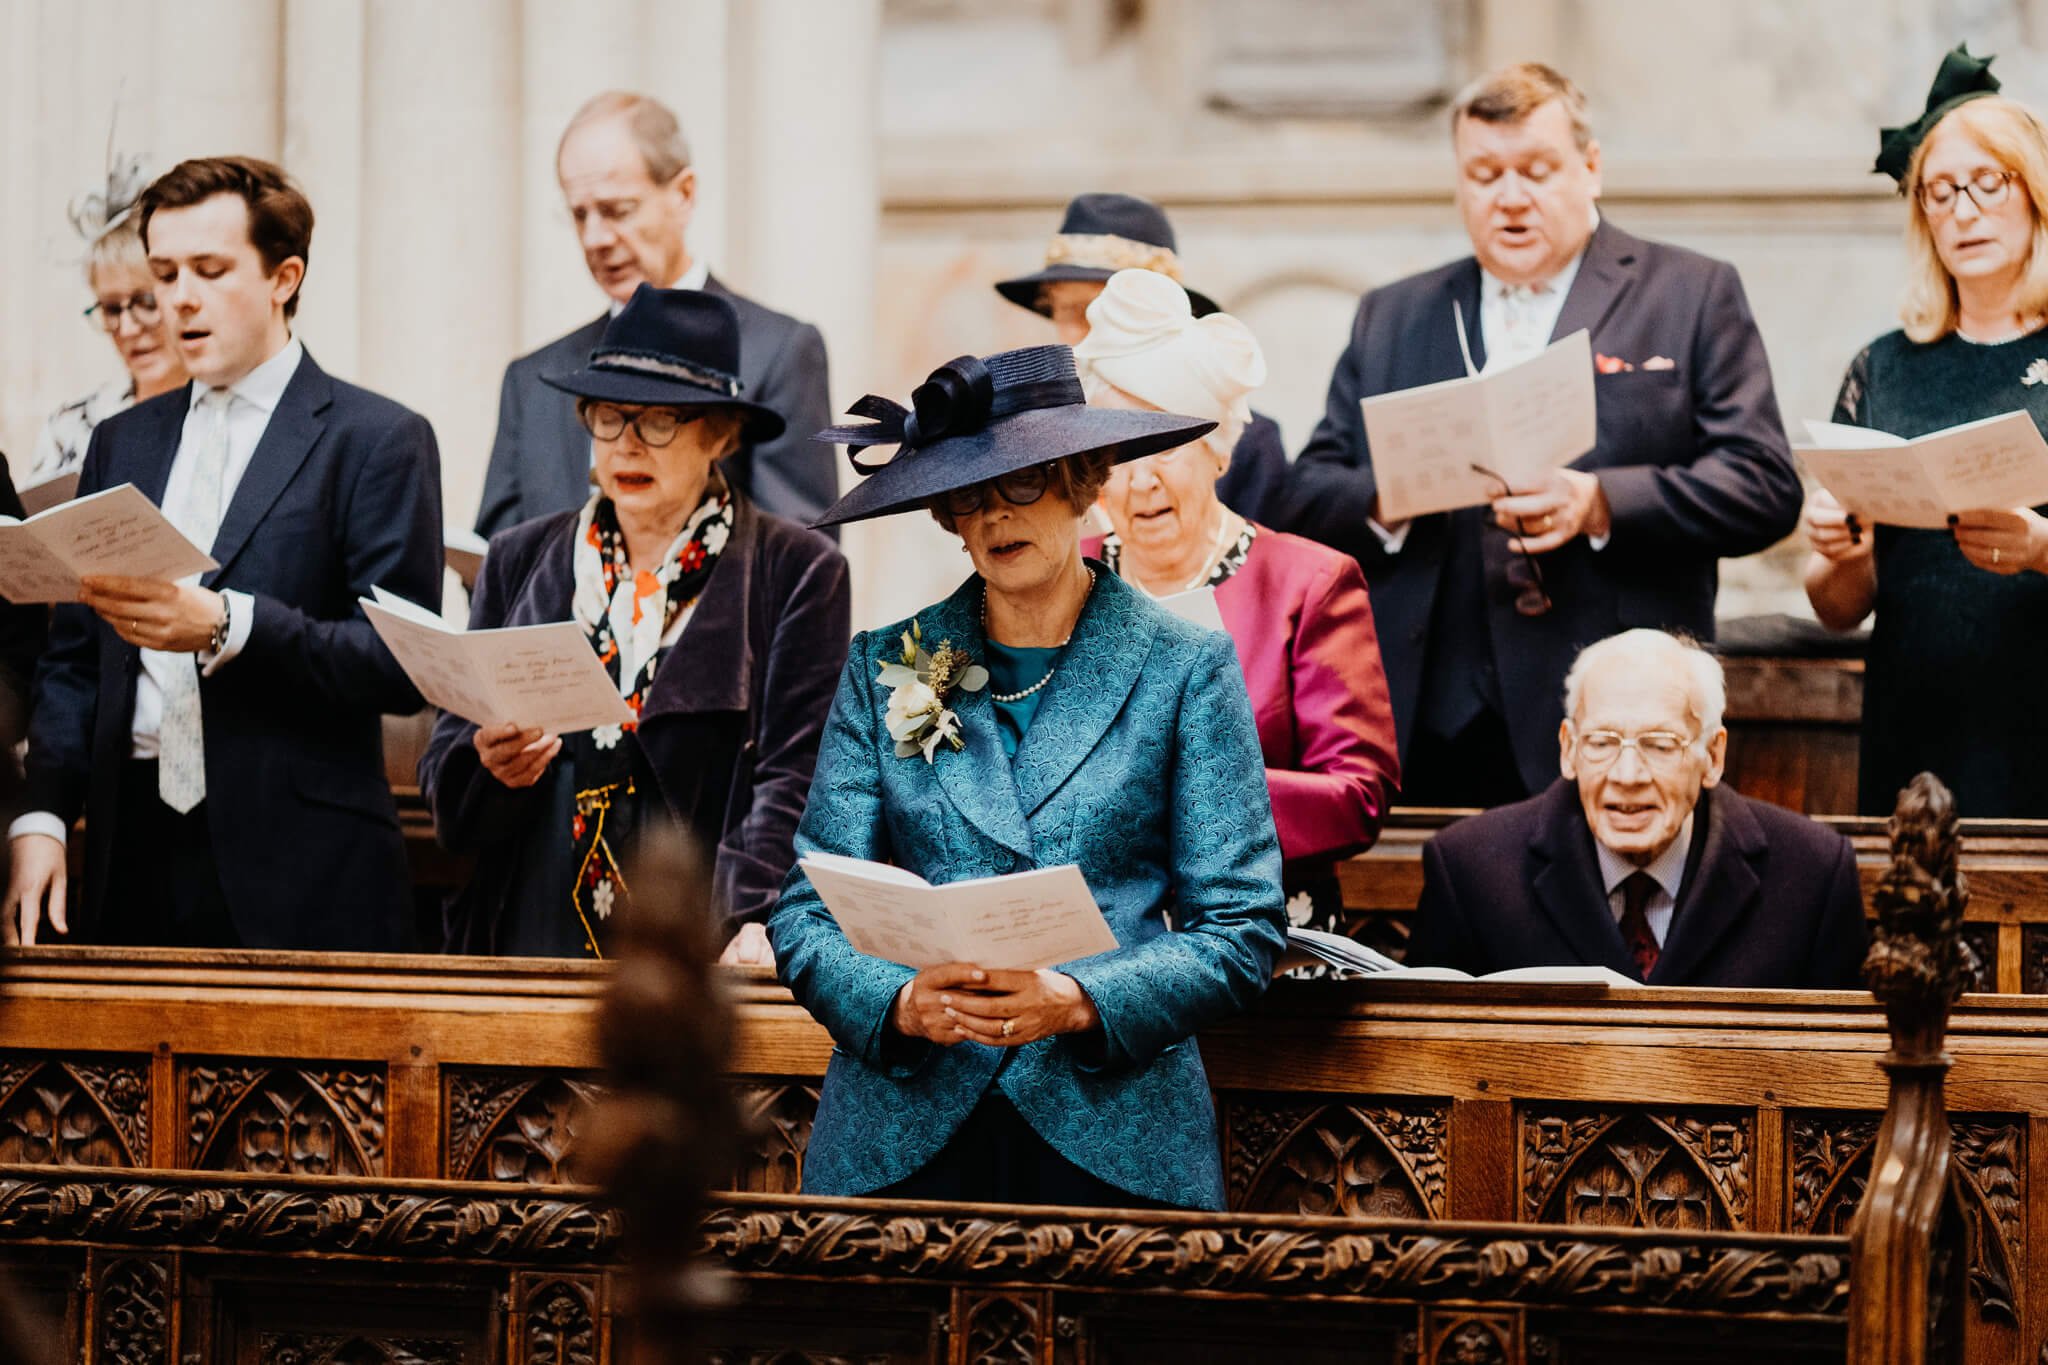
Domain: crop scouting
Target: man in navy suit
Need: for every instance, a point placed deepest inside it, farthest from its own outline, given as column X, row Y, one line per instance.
column 222, row 733
column 1636, row 858
column 625, row 173
column 1481, row 610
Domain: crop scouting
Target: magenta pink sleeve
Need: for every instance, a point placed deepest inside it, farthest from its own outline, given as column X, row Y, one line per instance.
column 1331, row 801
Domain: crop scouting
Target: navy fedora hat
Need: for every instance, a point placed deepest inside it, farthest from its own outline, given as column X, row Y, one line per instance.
column 977, row 419
column 1102, row 234
column 675, row 348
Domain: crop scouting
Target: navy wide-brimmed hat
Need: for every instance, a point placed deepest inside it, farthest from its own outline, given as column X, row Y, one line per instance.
column 674, row 348
column 978, row 419
column 1102, row 234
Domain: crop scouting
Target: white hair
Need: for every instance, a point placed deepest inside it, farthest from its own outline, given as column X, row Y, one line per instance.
column 1706, row 690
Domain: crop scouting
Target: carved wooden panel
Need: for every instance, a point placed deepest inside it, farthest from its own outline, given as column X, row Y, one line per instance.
column 1375, row 1158
column 352, row 1348
column 81, row 1111
column 2034, row 959
column 266, row 1119
column 1689, row 1169
column 1002, row 1329
column 1982, row 941
column 1456, row 1337
column 557, row 1319
column 778, row 1119
column 132, row 1311
column 515, row 1127
column 1828, row 1162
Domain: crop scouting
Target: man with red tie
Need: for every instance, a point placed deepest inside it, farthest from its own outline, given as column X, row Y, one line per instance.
column 1636, row 858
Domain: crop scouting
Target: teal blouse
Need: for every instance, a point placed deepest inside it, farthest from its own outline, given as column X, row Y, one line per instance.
column 1012, row 668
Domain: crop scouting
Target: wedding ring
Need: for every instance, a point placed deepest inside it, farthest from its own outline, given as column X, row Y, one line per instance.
column 1994, row 554
column 1546, row 525
column 1008, row 1024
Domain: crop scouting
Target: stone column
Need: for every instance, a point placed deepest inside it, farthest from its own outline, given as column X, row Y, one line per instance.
column 441, row 278
column 804, row 143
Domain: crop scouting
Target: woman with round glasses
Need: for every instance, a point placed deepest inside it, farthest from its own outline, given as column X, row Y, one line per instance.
column 1297, row 611
column 723, row 627
column 1046, row 714
column 1960, row 636
column 125, row 308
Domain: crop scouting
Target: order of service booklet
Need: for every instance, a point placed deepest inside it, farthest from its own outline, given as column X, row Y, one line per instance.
column 1308, row 946
column 1019, row 922
column 115, row 531
column 543, row 677
column 1994, row 462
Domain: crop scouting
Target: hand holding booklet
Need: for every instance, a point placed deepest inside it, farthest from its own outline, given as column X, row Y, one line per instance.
column 116, row 531
column 543, row 677
column 1519, row 421
column 1996, row 462
column 1306, row 947
column 1020, row 922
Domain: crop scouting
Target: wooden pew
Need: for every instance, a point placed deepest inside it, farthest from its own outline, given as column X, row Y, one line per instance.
column 2006, row 862
column 263, row 1146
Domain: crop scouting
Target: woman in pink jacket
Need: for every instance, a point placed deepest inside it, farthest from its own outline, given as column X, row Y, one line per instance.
column 1297, row 611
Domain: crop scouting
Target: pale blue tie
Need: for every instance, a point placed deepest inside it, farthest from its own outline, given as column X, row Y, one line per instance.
column 181, row 737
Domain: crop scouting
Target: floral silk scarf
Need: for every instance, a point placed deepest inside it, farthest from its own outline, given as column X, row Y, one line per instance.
column 630, row 619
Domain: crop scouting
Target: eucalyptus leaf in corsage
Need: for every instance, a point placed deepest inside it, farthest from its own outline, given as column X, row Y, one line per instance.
column 919, row 683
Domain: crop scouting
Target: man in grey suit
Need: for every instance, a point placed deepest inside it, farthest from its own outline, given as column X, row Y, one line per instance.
column 625, row 174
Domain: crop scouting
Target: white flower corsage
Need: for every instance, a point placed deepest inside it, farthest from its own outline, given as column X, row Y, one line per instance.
column 919, row 684
column 2037, row 373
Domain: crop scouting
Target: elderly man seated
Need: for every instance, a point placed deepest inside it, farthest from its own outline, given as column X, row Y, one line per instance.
column 1636, row 858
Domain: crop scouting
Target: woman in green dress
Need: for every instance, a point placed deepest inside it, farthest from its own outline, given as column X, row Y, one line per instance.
column 1960, row 641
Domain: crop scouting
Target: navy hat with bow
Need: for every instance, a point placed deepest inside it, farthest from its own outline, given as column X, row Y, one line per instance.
column 977, row 419
column 1102, row 234
column 676, row 348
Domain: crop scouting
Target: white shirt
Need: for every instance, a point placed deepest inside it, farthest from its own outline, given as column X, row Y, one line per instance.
column 695, row 277
column 1667, row 869
column 251, row 401
column 1515, row 322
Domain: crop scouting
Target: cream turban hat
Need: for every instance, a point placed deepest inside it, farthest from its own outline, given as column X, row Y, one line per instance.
column 1144, row 338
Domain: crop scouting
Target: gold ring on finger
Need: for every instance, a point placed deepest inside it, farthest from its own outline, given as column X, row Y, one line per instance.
column 1994, row 554
column 1008, row 1025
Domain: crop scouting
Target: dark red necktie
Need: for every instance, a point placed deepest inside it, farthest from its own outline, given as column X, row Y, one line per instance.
column 1636, row 891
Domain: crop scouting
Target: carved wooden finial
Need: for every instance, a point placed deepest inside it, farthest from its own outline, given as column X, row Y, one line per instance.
column 1918, row 964
column 669, row 1126
column 1906, row 1270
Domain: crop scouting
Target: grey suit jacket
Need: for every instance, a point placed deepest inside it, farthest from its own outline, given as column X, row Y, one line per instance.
column 540, row 459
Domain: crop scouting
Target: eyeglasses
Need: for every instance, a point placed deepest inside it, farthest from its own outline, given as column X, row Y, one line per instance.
column 1525, row 575
column 1019, row 488
column 655, row 426
column 141, row 306
column 1987, row 190
column 1660, row 749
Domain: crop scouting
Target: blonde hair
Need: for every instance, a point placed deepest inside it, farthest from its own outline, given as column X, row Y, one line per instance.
column 119, row 247
column 1512, row 93
column 2013, row 137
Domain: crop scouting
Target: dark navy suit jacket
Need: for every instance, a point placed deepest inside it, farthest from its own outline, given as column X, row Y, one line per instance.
column 540, row 458
column 1692, row 457
column 342, row 494
column 1770, row 899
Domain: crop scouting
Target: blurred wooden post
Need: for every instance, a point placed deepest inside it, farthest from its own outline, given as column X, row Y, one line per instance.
column 1907, row 1286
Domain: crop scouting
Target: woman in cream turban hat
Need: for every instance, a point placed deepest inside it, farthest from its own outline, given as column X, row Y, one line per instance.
column 1297, row 611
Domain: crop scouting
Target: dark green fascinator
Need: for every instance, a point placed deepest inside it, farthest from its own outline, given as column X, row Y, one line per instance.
column 1962, row 78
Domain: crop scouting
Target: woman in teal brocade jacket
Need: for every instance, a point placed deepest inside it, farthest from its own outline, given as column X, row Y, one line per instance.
column 1107, row 733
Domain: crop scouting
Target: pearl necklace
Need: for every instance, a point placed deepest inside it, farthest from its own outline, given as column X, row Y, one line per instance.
column 1050, row 668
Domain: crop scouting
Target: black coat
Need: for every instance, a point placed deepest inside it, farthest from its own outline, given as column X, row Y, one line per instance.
column 540, row 457
column 1770, row 899
column 1692, row 458
column 729, row 730
column 342, row 494
column 24, row 632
